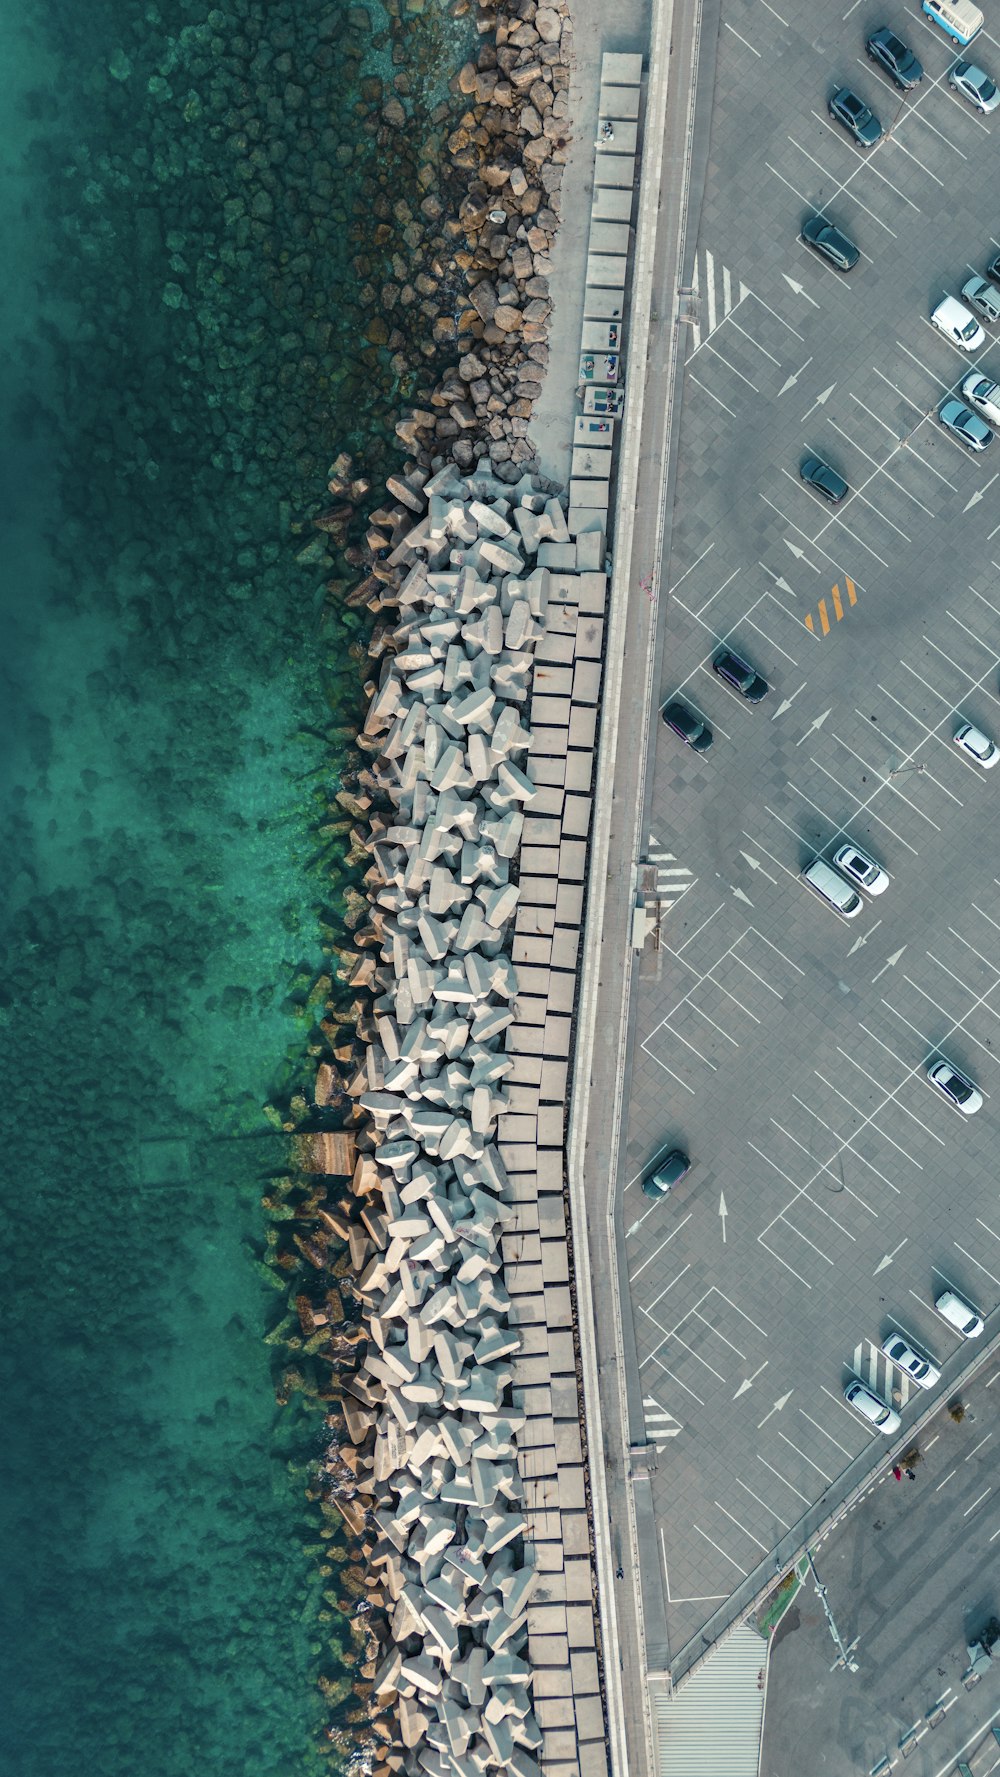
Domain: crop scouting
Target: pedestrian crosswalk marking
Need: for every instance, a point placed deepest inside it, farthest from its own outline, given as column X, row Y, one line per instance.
column 716, row 294
column 660, row 1425
column 838, row 607
column 673, row 879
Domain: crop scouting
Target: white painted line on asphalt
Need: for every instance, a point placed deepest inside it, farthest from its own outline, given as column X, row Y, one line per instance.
column 860, row 807
column 932, row 374
column 709, row 347
column 766, row 1504
column 774, row 947
column 985, row 915
column 801, row 533
column 754, row 342
column 981, row 1442
column 769, row 639
column 963, row 671
column 675, row 1335
column 784, row 1482
column 764, row 1547
column 871, row 1121
column 822, row 212
column 878, row 512
column 863, row 160
column 715, row 1291
column 994, row 1235
column 975, row 952
column 746, row 45
column 913, row 112
column 978, row 1264
column 886, row 782
column 897, row 142
column 697, row 1314
column 720, row 1551
column 901, row 1060
column 854, row 1153
column 745, row 965
column 755, row 840
column 669, row 1070
column 840, row 1183
column 716, row 1027
column 701, row 1598
column 958, row 1023
column 655, row 1255
column 667, row 1371
column 976, row 1502
column 783, row 1216
column 824, row 1433
column 880, row 468
column 924, row 412
column 929, row 734
column 981, row 595
column 707, row 391
column 697, row 931
column 777, row 15
column 948, row 1477
column 774, row 313
column 691, row 569
column 779, row 1260
column 804, row 1458
column 893, row 434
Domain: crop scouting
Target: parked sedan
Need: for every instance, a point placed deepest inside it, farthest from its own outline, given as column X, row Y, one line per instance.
column 966, row 426
column 740, row 675
column 828, row 241
column 884, row 1418
column 977, row 745
column 984, row 396
column 982, row 297
column 959, row 1091
column 892, row 54
column 975, row 85
column 919, row 1369
column 825, row 480
column 858, row 119
column 669, row 1173
column 692, row 730
column 956, row 323
column 858, row 867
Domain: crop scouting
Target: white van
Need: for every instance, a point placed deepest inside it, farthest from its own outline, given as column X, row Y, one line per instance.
column 958, row 19
column 828, row 884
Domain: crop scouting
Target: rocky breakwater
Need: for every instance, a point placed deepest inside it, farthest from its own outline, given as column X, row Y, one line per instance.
column 511, row 145
column 430, row 1409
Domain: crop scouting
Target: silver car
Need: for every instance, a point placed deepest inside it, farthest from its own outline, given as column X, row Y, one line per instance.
column 968, row 427
column 984, row 297
column 858, row 867
column 984, row 396
column 975, row 85
column 884, row 1418
column 919, row 1369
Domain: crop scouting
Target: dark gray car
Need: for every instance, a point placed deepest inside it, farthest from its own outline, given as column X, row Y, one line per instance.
column 825, row 480
column 892, row 54
column 835, row 247
column 692, row 730
column 668, row 1174
column 738, row 673
column 858, row 119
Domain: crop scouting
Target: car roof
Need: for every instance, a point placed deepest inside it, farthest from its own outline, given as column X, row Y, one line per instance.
column 951, row 309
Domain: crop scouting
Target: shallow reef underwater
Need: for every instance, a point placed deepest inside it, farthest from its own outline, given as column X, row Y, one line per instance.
column 201, row 211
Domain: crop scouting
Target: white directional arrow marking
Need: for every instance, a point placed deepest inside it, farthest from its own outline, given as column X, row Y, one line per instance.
column 817, row 722
column 781, row 584
column 869, row 933
column 781, row 1402
column 740, row 896
column 723, row 1212
column 787, row 702
column 820, row 401
column 887, row 1260
column 977, row 496
column 801, row 555
column 793, row 379
column 756, row 865
column 748, row 1381
column 799, row 289
column 890, row 963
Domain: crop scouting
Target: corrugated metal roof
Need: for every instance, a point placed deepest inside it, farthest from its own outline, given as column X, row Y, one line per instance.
column 711, row 1726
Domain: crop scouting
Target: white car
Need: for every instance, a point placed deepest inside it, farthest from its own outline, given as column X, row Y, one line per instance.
column 919, row 1369
column 959, row 1314
column 977, row 745
column 959, row 1091
column 885, row 1419
column 958, row 325
column 984, row 396
column 858, row 867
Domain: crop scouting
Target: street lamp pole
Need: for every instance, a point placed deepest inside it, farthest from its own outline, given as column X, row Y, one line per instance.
column 844, row 1653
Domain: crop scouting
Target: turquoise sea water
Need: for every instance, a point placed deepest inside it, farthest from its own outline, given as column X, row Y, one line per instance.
column 187, row 233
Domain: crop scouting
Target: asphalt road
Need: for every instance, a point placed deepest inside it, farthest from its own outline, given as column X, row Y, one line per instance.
column 910, row 1576
column 834, row 1193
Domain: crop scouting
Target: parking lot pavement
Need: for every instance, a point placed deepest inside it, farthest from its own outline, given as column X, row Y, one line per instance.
column 908, row 1579
column 834, row 1191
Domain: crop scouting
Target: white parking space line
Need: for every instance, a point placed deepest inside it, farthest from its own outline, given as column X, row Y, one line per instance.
column 973, row 637
column 966, row 987
column 853, row 196
column 897, row 142
column 756, row 842
column 932, row 374
column 924, row 412
column 775, row 315
column 863, row 1201
column 886, row 782
column 863, row 160
column 712, row 397
column 841, row 1183
column 826, row 1434
column 929, row 733
column 804, row 1458
column 799, row 532
column 879, row 514
column 912, row 111
column 701, row 1013
column 714, row 595
column 654, row 1255
column 695, row 564
column 720, row 1551
column 769, row 639
column 697, row 1315
column 956, row 1023
column 754, row 342
column 880, row 467
column 978, row 1264
column 982, row 596
column 976, row 953
column 652, row 1358
column 709, row 347
column 670, row 1071
column 779, row 1477
column 994, row 1235
column 860, row 807
column 766, row 1504
column 764, row 1547
column 695, row 934
column 874, row 1114
column 746, row 45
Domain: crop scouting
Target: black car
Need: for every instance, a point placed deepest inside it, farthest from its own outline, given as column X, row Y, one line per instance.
column 740, row 675
column 825, row 480
column 692, row 730
column 835, row 247
column 892, row 54
column 857, row 117
column 993, row 269
column 675, row 1167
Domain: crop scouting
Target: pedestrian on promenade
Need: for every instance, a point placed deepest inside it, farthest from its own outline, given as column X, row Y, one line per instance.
column 897, row 1473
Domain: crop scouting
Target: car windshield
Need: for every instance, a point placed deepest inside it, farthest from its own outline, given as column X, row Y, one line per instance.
column 986, row 89
column 970, row 329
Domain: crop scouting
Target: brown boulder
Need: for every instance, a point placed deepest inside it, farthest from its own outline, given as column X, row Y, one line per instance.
column 467, row 78
column 393, row 114
column 548, row 25
column 537, row 151
column 496, row 174
column 507, row 318
column 483, row 298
